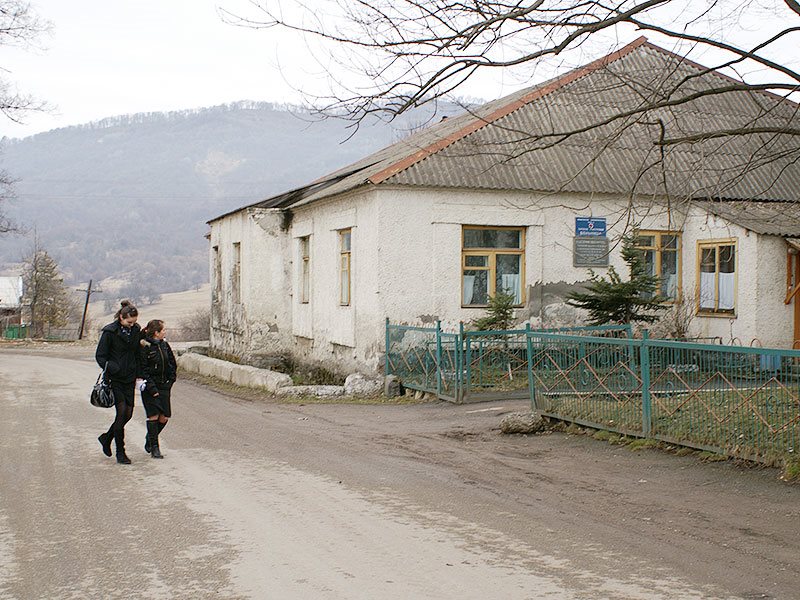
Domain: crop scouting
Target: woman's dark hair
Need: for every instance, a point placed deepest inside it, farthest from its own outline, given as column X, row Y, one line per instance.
column 127, row 310
column 153, row 327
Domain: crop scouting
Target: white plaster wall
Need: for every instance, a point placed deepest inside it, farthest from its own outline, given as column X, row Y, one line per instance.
column 774, row 324
column 325, row 331
column 406, row 265
column 253, row 326
column 421, row 238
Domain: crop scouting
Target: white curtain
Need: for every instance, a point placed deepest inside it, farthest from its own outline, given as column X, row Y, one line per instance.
column 671, row 287
column 511, row 282
column 469, row 288
column 707, row 290
column 726, row 300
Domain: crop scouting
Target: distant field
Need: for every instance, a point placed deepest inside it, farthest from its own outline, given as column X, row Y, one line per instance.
column 172, row 308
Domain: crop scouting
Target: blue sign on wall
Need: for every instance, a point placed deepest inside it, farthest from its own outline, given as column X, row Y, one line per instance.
column 590, row 226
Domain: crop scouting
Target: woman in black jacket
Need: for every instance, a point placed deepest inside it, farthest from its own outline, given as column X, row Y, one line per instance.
column 159, row 363
column 118, row 353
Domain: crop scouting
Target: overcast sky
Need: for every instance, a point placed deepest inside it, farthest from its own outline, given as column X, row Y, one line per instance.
column 111, row 57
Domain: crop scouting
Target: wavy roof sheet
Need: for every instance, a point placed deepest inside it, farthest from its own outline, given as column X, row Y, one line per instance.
column 546, row 138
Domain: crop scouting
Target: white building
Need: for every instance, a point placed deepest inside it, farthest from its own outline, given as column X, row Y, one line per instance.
column 505, row 196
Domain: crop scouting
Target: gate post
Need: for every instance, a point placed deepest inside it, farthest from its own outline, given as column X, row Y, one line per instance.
column 647, row 409
column 529, row 350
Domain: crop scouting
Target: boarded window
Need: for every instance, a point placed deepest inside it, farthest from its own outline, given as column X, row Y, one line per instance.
column 236, row 274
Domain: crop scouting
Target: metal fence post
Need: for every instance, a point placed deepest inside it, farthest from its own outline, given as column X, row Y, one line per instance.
column 647, row 408
column 439, row 373
column 386, row 359
column 460, row 363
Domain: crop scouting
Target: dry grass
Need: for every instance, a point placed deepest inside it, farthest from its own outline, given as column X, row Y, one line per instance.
column 172, row 308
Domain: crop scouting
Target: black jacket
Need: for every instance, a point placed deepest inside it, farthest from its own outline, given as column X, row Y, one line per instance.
column 121, row 352
column 158, row 361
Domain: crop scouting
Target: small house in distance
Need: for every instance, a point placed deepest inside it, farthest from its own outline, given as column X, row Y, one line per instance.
column 525, row 194
column 10, row 302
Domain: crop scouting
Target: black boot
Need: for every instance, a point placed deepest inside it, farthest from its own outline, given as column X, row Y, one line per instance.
column 147, row 437
column 152, row 438
column 119, row 442
column 105, row 442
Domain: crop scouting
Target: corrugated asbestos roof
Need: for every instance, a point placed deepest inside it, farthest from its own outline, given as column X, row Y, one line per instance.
column 769, row 218
column 522, row 150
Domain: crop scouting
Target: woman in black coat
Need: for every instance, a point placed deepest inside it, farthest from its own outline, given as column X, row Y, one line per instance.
column 159, row 363
column 118, row 353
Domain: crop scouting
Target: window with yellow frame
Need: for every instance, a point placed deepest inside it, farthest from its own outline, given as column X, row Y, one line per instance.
column 492, row 261
column 662, row 258
column 716, row 277
column 345, row 237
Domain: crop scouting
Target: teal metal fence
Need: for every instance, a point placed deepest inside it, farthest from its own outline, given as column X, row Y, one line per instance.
column 736, row 401
column 467, row 366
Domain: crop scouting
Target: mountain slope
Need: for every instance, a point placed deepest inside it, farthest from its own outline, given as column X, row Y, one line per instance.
column 131, row 195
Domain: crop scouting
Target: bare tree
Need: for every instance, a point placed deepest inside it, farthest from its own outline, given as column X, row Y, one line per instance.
column 408, row 52
column 19, row 26
column 392, row 55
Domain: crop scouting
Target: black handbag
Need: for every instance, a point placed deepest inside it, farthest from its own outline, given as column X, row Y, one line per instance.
column 102, row 394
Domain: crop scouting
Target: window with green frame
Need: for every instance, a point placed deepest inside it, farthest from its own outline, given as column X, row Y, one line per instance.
column 492, row 261
column 662, row 258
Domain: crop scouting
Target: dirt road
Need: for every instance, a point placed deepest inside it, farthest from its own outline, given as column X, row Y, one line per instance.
column 268, row 501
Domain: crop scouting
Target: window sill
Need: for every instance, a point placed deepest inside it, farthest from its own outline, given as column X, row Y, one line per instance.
column 716, row 315
column 485, row 306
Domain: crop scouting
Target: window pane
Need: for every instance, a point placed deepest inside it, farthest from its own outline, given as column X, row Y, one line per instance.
column 727, row 259
column 345, row 236
column 492, row 238
column 476, row 287
column 508, row 275
column 669, row 241
column 669, row 275
column 344, row 297
column 645, row 240
column 708, row 260
column 304, row 247
column 649, row 258
column 304, row 293
column 476, row 261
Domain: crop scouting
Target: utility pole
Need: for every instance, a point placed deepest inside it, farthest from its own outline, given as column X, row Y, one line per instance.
column 89, row 291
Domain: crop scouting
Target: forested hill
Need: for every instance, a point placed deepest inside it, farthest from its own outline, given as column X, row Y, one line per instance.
column 130, row 196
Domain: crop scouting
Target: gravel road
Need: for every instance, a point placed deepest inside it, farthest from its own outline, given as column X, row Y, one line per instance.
column 268, row 501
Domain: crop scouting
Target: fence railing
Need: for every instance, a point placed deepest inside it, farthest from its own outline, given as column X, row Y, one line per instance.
column 735, row 400
column 467, row 365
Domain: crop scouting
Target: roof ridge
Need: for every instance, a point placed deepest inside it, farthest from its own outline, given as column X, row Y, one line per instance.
column 535, row 93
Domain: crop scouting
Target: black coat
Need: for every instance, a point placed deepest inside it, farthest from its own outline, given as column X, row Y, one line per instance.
column 121, row 352
column 158, row 361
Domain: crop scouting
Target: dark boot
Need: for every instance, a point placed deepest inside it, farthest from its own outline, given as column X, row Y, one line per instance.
column 147, row 437
column 152, row 438
column 119, row 442
column 105, row 442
